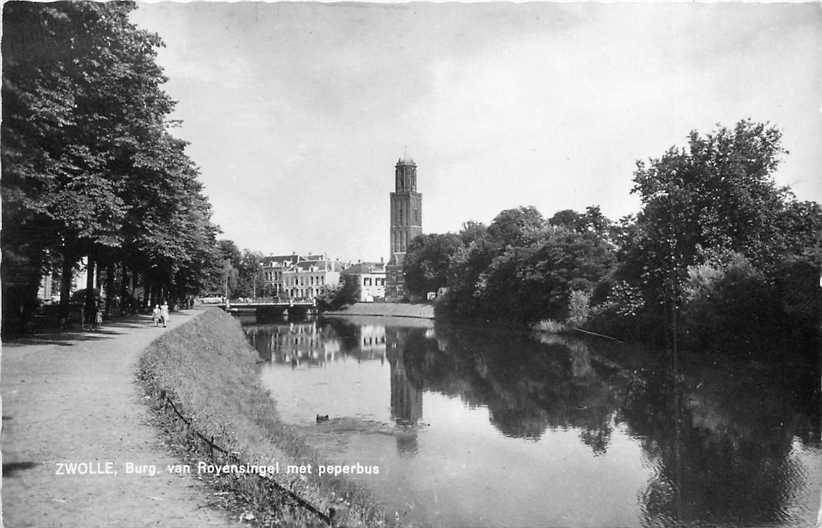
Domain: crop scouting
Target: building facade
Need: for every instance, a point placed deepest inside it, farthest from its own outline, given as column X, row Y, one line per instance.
column 300, row 277
column 405, row 224
column 308, row 279
column 273, row 268
column 370, row 279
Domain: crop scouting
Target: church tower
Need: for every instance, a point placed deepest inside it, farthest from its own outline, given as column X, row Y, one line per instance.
column 405, row 223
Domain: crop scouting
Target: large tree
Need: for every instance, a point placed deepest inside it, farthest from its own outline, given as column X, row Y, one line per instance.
column 517, row 227
column 89, row 169
column 522, row 268
column 718, row 192
column 427, row 262
column 708, row 201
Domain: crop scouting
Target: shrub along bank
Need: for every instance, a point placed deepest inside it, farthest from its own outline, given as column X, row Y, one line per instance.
column 718, row 259
column 205, row 371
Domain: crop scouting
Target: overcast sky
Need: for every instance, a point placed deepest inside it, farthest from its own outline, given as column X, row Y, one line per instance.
column 297, row 113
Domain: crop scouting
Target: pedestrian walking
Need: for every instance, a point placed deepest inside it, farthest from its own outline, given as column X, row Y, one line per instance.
column 155, row 315
column 92, row 318
column 164, row 313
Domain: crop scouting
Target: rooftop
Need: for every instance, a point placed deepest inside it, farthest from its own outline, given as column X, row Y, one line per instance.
column 365, row 267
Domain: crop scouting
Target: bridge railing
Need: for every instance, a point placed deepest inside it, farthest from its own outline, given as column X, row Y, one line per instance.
column 269, row 301
column 258, row 300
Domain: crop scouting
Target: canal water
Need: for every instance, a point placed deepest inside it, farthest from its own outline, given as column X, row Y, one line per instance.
column 487, row 428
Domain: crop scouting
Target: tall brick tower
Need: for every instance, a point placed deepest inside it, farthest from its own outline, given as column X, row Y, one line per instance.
column 406, row 223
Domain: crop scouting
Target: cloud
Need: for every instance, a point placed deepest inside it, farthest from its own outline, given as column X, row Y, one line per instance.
column 297, row 112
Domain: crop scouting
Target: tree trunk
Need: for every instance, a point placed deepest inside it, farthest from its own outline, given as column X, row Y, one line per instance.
column 91, row 301
column 65, row 279
column 146, row 291
column 132, row 288
column 109, row 287
column 123, row 288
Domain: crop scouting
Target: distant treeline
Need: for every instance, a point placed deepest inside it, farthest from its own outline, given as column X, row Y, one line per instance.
column 90, row 169
column 717, row 252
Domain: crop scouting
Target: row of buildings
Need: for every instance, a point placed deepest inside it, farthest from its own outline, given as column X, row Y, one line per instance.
column 308, row 276
column 305, row 277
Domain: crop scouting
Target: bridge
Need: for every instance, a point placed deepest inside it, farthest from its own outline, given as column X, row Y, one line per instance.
column 270, row 305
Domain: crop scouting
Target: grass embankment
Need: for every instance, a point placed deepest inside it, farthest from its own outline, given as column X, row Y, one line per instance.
column 421, row 311
column 208, row 370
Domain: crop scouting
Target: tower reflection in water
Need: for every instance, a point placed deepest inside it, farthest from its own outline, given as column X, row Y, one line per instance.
column 406, row 397
column 708, row 440
column 307, row 344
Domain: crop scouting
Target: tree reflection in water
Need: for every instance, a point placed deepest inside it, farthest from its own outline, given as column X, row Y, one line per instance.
column 720, row 434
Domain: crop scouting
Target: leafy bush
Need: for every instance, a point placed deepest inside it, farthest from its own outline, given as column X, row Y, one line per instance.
column 725, row 302
column 346, row 293
column 550, row 326
column 799, row 294
column 579, row 307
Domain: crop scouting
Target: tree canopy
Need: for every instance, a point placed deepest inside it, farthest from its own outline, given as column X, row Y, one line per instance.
column 90, row 168
column 519, row 269
column 716, row 245
column 715, row 196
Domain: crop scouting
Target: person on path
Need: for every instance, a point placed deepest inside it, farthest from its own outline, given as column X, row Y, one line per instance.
column 99, row 318
column 93, row 317
column 164, row 313
column 155, row 315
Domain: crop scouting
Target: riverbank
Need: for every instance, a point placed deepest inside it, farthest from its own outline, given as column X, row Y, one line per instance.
column 208, row 371
column 71, row 398
column 419, row 311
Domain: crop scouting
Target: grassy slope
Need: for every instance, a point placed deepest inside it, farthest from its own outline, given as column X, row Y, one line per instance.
column 425, row 311
column 209, row 370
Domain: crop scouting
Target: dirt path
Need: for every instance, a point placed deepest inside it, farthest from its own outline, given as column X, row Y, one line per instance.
column 72, row 398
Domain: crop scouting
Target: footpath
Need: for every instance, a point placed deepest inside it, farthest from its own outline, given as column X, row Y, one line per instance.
column 73, row 398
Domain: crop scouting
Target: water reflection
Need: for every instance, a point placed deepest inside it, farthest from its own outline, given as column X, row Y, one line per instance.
column 406, row 396
column 307, row 343
column 722, row 442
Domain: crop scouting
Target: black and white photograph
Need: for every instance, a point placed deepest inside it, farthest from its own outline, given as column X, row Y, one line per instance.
column 411, row 264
